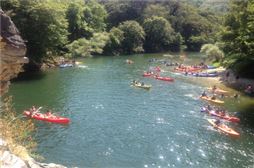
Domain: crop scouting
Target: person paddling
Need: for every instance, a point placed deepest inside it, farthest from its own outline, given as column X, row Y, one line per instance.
column 213, row 97
column 34, row 111
column 204, row 94
column 48, row 113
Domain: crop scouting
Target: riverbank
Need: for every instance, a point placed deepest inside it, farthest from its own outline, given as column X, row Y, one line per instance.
column 228, row 78
column 10, row 160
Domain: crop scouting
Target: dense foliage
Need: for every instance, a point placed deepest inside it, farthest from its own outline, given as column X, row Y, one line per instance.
column 238, row 37
column 134, row 36
column 42, row 25
column 160, row 36
column 87, row 27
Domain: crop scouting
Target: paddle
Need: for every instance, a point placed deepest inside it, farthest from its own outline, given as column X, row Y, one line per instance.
column 37, row 110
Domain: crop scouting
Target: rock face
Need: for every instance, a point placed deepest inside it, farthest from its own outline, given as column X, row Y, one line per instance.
column 9, row 160
column 12, row 58
column 12, row 50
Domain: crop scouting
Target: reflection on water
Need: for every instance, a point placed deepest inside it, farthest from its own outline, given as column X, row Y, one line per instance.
column 115, row 125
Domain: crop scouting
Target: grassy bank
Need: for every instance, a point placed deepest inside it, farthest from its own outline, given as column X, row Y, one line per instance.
column 16, row 130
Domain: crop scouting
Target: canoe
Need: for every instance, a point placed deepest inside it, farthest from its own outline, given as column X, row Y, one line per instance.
column 225, row 117
column 224, row 128
column 49, row 118
column 210, row 100
column 164, row 78
column 142, row 86
column 220, row 91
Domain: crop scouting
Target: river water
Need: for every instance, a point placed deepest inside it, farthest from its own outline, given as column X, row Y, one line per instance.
column 115, row 125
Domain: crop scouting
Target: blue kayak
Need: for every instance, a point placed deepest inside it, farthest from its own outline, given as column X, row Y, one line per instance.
column 65, row 65
column 210, row 67
column 205, row 74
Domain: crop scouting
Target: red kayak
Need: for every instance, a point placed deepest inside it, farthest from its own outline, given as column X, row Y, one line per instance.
column 225, row 117
column 187, row 69
column 164, row 78
column 158, row 69
column 49, row 118
column 220, row 115
column 147, row 74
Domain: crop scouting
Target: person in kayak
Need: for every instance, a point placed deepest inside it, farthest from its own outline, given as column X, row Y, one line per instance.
column 142, row 84
column 223, row 113
column 33, row 109
column 48, row 113
column 236, row 96
column 214, row 88
column 222, row 95
column 209, row 107
column 217, row 122
column 213, row 97
column 204, row 94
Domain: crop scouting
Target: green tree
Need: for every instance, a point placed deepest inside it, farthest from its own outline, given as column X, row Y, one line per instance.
column 114, row 43
column 238, row 37
column 134, row 37
column 84, row 47
column 212, row 52
column 77, row 26
column 85, row 19
column 120, row 11
column 155, row 10
column 160, row 35
column 42, row 24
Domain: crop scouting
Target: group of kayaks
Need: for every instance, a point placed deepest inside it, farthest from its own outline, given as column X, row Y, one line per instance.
column 219, row 114
column 156, row 75
column 153, row 73
column 197, row 71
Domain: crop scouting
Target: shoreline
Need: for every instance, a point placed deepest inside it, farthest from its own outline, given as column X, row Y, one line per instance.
column 233, row 81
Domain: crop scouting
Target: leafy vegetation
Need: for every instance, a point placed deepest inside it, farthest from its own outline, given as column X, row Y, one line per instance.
column 16, row 131
column 160, row 36
column 212, row 52
column 134, row 36
column 83, row 28
column 238, row 38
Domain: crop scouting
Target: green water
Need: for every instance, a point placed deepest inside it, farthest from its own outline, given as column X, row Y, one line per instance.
column 115, row 125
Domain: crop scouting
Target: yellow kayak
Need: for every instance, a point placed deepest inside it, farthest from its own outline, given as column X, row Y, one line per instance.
column 223, row 128
column 142, row 86
column 220, row 91
column 210, row 100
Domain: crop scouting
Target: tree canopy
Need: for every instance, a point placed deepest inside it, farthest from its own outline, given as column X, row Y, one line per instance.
column 134, row 36
column 113, row 27
column 237, row 37
column 160, row 35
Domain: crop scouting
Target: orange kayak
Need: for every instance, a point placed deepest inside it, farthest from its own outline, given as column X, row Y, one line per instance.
column 210, row 100
column 224, row 128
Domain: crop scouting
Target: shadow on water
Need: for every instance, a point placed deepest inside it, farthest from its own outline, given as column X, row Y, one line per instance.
column 27, row 76
column 246, row 113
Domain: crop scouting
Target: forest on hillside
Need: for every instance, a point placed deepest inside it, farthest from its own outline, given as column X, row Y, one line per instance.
column 89, row 27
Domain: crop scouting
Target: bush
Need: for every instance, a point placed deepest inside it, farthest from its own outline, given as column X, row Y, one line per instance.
column 15, row 130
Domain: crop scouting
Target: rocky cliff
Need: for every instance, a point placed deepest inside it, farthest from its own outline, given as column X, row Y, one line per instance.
column 12, row 50
column 12, row 58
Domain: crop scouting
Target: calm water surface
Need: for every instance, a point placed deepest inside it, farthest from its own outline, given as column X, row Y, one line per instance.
column 115, row 125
